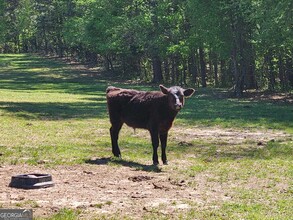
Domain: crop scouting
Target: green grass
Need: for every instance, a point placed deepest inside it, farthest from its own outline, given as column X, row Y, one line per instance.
column 47, row 109
column 206, row 109
column 53, row 114
column 64, row 214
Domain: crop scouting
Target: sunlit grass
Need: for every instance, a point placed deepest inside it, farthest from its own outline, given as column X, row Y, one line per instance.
column 64, row 214
column 52, row 115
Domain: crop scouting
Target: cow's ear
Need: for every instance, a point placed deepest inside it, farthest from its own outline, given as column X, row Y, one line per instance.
column 188, row 92
column 164, row 89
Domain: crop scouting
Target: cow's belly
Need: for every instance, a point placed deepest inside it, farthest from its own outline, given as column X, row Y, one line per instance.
column 136, row 116
column 136, row 121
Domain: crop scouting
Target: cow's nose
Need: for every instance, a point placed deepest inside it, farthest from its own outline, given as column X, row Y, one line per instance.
column 178, row 107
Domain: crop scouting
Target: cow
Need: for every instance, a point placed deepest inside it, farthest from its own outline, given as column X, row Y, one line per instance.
column 154, row 111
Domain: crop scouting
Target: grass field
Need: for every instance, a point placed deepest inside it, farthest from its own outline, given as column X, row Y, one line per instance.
column 236, row 154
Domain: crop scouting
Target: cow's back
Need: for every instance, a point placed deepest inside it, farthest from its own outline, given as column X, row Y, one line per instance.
column 119, row 96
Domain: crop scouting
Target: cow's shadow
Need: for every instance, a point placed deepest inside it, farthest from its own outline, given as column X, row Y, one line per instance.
column 118, row 161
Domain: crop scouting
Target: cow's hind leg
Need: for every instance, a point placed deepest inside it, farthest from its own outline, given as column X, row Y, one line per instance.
column 114, row 131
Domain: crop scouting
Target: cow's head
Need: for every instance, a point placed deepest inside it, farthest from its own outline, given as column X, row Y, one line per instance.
column 176, row 96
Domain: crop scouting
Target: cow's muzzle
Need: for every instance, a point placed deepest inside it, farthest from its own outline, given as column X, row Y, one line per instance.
column 178, row 107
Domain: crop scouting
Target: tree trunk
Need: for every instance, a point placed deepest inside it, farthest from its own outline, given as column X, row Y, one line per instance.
column 106, row 63
column 192, row 67
column 250, row 80
column 173, row 70
column 91, row 57
column 248, row 58
column 176, row 69
column 60, row 48
column 202, row 68
column 238, row 82
column 223, row 74
column 110, row 63
column 215, row 64
column 44, row 39
column 272, row 80
column 167, row 70
column 210, row 70
column 282, row 74
column 289, row 70
column 157, row 69
column 184, row 82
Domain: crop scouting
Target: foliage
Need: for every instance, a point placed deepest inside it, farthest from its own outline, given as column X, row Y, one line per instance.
column 246, row 44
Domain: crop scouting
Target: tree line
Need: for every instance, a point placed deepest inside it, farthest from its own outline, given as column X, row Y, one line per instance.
column 240, row 44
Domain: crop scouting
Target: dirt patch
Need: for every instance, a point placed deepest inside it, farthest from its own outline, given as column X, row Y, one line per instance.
column 140, row 178
column 230, row 136
column 271, row 97
column 184, row 136
column 98, row 189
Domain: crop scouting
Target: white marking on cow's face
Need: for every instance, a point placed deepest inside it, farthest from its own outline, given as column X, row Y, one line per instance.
column 176, row 99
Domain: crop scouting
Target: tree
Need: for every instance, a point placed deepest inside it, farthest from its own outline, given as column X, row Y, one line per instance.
column 242, row 44
column 25, row 24
column 2, row 22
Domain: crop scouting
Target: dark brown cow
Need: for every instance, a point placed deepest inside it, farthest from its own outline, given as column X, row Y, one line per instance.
column 154, row 111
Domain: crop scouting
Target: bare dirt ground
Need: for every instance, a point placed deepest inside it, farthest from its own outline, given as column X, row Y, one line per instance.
column 230, row 136
column 100, row 187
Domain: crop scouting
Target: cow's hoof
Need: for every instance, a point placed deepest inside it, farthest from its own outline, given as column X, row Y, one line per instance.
column 165, row 162
column 155, row 163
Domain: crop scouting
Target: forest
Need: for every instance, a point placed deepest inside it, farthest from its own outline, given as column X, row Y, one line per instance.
column 235, row 44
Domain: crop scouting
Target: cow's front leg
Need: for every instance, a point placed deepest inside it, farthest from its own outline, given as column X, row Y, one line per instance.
column 163, row 139
column 155, row 143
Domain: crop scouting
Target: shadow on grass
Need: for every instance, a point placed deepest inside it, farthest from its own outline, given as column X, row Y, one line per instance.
column 30, row 72
column 269, row 150
column 131, row 164
column 207, row 109
column 55, row 110
column 258, row 150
